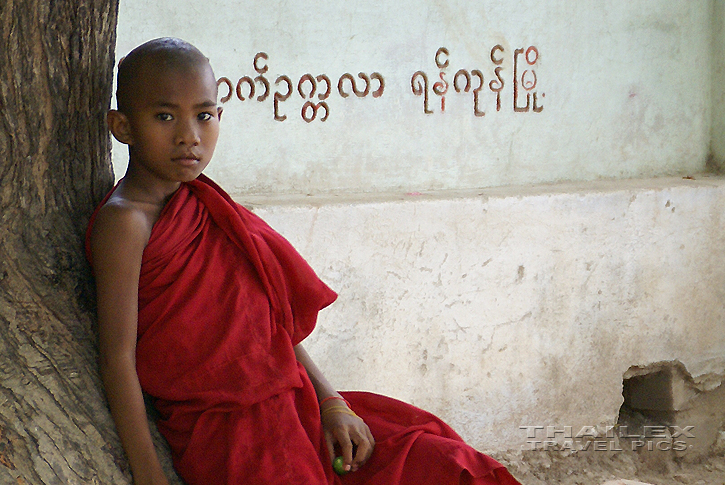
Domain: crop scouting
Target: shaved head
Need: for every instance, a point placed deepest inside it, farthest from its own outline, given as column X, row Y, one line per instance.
column 158, row 55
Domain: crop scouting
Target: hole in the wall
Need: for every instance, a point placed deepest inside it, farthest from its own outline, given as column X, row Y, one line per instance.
column 649, row 395
column 665, row 395
column 654, row 394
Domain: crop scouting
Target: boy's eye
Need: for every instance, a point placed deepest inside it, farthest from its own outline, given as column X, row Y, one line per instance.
column 164, row 117
column 205, row 116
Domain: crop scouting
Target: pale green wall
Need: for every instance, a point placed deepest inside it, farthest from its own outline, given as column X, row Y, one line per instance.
column 625, row 87
column 718, row 85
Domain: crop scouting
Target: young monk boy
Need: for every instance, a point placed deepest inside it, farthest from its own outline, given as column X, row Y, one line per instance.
column 203, row 306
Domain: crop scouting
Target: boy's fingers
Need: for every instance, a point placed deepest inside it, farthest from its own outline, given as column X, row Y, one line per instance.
column 330, row 442
column 364, row 450
column 364, row 444
column 352, row 436
column 371, row 438
column 343, row 439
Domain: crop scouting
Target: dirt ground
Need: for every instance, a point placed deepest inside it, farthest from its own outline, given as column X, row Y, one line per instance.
column 645, row 446
column 590, row 467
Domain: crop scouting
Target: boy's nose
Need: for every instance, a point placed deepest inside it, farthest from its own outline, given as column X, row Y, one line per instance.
column 187, row 134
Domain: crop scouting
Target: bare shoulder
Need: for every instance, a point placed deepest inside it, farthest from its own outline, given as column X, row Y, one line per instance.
column 123, row 218
column 122, row 227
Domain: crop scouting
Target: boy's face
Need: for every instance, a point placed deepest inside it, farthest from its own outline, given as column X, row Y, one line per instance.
column 173, row 122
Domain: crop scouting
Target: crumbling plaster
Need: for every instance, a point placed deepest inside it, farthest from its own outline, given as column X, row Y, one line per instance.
column 517, row 307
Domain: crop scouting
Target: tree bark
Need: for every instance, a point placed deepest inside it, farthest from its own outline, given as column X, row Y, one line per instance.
column 56, row 69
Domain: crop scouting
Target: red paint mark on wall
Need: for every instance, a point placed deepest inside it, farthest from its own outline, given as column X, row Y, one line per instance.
column 525, row 81
column 315, row 90
column 306, row 87
column 528, row 80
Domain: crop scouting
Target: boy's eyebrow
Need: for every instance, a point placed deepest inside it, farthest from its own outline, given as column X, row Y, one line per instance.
column 205, row 104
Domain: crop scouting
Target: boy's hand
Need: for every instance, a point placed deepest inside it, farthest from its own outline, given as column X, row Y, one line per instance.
column 342, row 427
column 349, row 431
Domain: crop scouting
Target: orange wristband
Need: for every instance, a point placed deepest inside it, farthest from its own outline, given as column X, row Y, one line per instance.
column 334, row 397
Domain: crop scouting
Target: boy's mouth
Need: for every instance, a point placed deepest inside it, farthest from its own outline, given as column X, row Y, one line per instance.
column 187, row 159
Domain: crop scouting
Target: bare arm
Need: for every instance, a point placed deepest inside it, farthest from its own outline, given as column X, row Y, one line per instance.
column 117, row 244
column 340, row 427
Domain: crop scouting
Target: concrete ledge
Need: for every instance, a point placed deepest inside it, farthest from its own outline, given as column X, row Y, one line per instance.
column 511, row 307
column 263, row 201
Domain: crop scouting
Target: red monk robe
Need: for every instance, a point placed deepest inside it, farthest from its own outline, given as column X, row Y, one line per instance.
column 222, row 301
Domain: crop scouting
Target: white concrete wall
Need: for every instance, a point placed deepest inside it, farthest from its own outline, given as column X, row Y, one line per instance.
column 624, row 86
column 510, row 308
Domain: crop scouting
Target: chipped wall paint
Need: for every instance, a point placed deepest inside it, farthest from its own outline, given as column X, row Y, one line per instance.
column 510, row 308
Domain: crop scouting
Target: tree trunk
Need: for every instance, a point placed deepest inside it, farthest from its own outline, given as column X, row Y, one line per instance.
column 56, row 65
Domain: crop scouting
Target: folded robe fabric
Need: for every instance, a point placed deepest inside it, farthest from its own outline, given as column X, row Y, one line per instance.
column 223, row 299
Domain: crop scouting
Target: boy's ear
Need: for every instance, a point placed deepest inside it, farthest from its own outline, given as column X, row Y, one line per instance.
column 119, row 126
column 219, row 112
